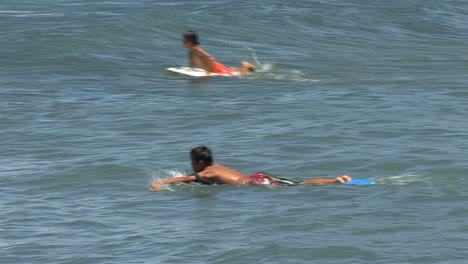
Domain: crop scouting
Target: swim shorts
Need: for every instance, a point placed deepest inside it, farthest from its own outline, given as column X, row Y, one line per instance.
column 220, row 68
column 260, row 178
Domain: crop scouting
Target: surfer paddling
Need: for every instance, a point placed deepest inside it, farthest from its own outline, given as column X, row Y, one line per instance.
column 208, row 172
column 198, row 57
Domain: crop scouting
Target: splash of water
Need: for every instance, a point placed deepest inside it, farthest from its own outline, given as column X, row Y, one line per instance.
column 163, row 174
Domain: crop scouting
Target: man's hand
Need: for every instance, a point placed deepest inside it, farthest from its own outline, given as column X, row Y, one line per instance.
column 156, row 186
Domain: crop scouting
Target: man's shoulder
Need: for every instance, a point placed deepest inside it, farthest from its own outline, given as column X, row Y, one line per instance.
column 217, row 165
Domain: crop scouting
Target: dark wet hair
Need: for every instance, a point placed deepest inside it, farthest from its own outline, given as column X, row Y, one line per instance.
column 191, row 36
column 202, row 153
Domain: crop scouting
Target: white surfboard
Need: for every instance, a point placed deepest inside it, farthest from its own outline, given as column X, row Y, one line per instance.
column 194, row 72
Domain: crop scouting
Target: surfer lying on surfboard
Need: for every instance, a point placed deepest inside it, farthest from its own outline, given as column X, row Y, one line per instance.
column 208, row 172
column 198, row 57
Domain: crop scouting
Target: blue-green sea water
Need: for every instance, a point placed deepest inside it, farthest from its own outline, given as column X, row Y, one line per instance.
column 89, row 118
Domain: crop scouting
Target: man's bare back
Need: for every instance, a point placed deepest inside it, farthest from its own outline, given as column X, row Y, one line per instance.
column 201, row 59
column 219, row 174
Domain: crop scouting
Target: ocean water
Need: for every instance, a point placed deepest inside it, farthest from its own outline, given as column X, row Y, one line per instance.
column 89, row 118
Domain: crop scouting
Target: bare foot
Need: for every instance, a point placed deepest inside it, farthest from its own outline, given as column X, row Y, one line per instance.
column 343, row 179
column 249, row 66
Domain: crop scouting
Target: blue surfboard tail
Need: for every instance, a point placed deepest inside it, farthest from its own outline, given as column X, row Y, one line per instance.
column 359, row 182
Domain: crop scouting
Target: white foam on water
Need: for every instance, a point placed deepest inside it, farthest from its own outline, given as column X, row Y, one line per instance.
column 404, row 179
column 164, row 174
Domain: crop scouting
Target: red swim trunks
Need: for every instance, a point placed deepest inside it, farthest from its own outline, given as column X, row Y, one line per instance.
column 220, row 68
column 261, row 178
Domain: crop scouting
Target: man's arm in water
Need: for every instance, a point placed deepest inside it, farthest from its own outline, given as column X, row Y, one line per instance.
column 157, row 185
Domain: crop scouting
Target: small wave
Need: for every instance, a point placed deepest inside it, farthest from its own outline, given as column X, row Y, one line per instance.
column 15, row 13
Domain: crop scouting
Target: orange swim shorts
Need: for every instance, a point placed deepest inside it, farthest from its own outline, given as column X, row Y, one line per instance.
column 220, row 68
